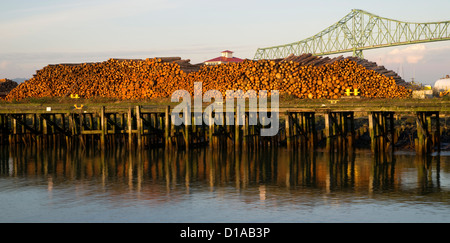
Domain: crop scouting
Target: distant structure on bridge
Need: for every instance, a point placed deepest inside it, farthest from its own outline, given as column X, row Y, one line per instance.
column 226, row 57
column 358, row 31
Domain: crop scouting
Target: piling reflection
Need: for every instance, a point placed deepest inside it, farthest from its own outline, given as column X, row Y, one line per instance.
column 383, row 172
column 341, row 170
column 428, row 176
column 162, row 171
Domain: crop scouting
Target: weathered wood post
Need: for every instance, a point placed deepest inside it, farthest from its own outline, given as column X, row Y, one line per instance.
column 11, row 134
column 44, row 131
column 139, row 127
column 237, row 128
column 103, row 127
column 167, row 127
column 3, row 128
column 288, row 130
column 420, row 133
column 437, row 134
column 352, row 130
column 82, row 136
column 312, row 130
column 64, row 127
column 71, row 129
column 245, row 131
column 381, row 131
column 221, row 127
column 52, row 126
column 425, row 141
column 393, row 132
column 428, row 141
column 372, row 132
column 130, row 128
column 211, row 131
column 327, row 117
column 187, row 118
column 162, row 124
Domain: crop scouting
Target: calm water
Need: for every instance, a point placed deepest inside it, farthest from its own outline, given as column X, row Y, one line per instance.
column 202, row 186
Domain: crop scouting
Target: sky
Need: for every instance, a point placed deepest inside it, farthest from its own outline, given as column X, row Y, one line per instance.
column 35, row 34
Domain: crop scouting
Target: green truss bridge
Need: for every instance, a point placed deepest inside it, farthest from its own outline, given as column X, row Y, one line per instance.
column 358, row 31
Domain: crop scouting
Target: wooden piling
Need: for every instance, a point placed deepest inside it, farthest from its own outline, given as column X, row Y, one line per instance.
column 288, row 135
column 372, row 132
column 327, row 117
column 167, row 127
column 211, row 130
column 44, row 132
column 139, row 127
column 103, row 127
column 154, row 128
column 130, row 127
column 187, row 118
column 438, row 129
column 245, row 131
column 237, row 128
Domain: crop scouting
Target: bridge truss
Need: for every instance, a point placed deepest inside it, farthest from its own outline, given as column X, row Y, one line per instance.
column 358, row 31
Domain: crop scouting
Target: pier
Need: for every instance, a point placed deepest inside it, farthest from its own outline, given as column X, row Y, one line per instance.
column 151, row 126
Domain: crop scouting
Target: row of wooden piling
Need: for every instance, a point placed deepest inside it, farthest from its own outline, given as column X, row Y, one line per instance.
column 149, row 128
column 340, row 132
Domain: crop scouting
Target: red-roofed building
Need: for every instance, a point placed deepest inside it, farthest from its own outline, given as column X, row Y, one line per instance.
column 227, row 56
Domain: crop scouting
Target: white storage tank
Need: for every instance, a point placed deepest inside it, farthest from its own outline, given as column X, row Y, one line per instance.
column 442, row 84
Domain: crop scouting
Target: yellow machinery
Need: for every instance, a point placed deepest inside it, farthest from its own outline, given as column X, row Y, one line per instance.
column 349, row 93
column 444, row 93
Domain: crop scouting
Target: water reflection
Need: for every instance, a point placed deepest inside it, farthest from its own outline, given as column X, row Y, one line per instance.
column 268, row 170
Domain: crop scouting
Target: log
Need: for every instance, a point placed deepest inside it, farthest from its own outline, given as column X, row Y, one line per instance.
column 304, row 76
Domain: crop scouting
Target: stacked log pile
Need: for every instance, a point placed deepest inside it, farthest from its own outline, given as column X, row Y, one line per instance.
column 309, row 77
column 309, row 59
column 304, row 76
column 6, row 86
column 379, row 69
column 115, row 78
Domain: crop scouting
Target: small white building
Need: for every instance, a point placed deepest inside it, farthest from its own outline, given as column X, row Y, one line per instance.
column 226, row 57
